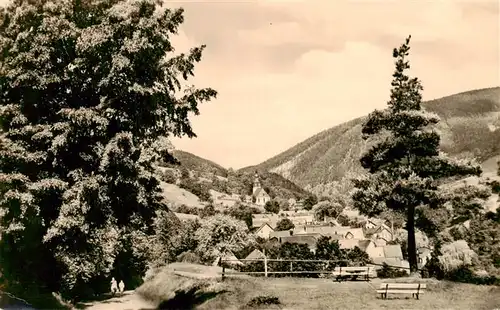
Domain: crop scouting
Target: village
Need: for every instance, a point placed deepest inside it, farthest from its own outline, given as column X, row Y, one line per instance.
column 372, row 236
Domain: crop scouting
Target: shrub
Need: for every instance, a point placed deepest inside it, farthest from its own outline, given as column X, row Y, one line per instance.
column 255, row 266
column 465, row 274
column 272, row 206
column 189, row 257
column 284, row 224
column 200, row 190
column 260, row 301
column 390, row 272
column 495, row 187
column 169, row 176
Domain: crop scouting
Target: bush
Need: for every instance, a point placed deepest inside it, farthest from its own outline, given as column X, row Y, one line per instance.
column 187, row 210
column 272, row 206
column 200, row 190
column 391, row 272
column 465, row 274
column 169, row 176
column 260, row 301
column 495, row 187
column 284, row 224
column 188, row 257
column 255, row 266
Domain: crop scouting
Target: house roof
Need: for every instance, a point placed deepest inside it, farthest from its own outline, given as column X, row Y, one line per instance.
column 348, row 243
column 393, row 262
column 393, row 251
column 256, row 254
column 331, row 220
column 363, row 244
column 380, row 242
column 259, row 219
column 262, row 226
column 259, row 222
column 314, row 229
column 309, row 239
column 336, row 237
column 232, row 259
column 260, row 192
column 280, row 233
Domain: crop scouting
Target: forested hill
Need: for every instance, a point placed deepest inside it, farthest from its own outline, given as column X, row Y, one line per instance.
column 469, row 127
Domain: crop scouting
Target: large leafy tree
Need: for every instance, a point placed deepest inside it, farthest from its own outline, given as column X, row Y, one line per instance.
column 404, row 164
column 221, row 234
column 88, row 90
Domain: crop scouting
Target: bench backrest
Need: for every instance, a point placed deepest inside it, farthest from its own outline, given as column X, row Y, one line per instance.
column 402, row 286
column 362, row 268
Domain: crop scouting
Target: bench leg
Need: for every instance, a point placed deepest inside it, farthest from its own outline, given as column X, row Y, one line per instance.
column 417, row 295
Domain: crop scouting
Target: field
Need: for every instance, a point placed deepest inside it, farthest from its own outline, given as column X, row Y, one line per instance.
column 294, row 293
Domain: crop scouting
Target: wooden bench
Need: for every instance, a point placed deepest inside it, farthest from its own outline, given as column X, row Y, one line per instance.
column 415, row 289
column 341, row 273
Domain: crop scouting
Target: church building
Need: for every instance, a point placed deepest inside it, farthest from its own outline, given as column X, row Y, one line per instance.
column 260, row 195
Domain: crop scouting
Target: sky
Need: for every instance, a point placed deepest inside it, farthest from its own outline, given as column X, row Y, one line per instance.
column 286, row 70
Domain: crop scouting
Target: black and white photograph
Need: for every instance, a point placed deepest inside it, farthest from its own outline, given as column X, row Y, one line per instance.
column 249, row 154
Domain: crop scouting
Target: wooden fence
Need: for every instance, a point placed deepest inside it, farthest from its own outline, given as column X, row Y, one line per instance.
column 225, row 262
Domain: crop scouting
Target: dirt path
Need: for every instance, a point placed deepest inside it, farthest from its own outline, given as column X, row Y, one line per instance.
column 128, row 301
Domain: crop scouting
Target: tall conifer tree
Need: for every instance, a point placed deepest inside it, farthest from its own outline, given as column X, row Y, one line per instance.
column 404, row 164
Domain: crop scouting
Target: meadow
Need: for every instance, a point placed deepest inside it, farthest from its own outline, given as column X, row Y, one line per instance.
column 294, row 293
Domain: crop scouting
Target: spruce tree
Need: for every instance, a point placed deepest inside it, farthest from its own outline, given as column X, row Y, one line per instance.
column 404, row 164
column 88, row 90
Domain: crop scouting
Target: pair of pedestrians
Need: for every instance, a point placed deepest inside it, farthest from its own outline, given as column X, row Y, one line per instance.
column 115, row 288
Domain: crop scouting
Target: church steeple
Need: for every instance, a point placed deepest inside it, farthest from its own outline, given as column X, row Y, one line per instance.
column 256, row 183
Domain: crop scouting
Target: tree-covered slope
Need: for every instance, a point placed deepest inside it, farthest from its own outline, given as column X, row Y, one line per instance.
column 469, row 127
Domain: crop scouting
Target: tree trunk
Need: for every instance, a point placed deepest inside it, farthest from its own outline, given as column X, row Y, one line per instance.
column 412, row 247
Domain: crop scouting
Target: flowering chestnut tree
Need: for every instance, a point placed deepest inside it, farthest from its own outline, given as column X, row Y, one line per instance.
column 87, row 90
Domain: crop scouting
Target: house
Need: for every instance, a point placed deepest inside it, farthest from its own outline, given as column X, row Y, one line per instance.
column 309, row 239
column 326, row 230
column 380, row 261
column 331, row 221
column 302, row 219
column 370, row 248
column 260, row 195
column 298, row 217
column 186, row 217
column 280, row 233
column 373, row 223
column 264, row 231
column 259, row 219
column 255, row 255
column 228, row 258
column 381, row 231
column 424, row 255
column 393, row 251
column 348, row 244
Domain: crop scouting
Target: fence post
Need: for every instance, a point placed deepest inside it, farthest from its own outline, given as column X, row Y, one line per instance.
column 291, row 266
column 223, row 272
column 265, row 263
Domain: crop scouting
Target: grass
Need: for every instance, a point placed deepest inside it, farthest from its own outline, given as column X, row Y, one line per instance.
column 294, row 293
column 179, row 196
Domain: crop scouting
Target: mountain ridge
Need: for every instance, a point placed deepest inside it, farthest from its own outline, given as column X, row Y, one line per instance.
column 469, row 127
